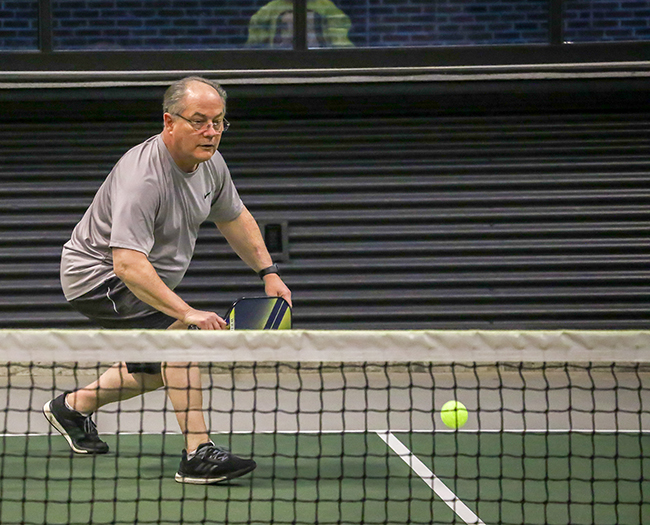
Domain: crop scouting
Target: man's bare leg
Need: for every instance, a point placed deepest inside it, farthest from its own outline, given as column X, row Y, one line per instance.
column 116, row 384
column 183, row 383
column 76, row 425
column 208, row 464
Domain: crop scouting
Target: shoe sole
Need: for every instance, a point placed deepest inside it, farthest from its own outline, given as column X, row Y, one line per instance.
column 209, row 481
column 47, row 411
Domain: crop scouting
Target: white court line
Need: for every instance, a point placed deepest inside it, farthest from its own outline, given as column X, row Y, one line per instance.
column 443, row 492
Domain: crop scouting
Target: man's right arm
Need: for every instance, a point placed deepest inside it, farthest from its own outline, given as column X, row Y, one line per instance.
column 135, row 270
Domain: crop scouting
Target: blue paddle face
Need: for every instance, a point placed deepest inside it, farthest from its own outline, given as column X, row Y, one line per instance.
column 259, row 313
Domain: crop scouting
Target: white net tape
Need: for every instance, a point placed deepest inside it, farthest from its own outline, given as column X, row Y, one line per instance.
column 438, row 346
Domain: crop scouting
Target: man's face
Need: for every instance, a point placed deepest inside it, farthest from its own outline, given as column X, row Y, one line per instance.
column 204, row 109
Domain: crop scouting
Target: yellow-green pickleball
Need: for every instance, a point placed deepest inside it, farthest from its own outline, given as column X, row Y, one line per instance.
column 453, row 414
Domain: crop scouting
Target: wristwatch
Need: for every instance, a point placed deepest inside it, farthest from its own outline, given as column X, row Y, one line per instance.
column 266, row 271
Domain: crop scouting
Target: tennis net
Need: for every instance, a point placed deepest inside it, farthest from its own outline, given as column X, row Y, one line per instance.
column 344, row 426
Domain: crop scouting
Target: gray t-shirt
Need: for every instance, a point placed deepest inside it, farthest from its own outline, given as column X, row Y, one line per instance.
column 147, row 203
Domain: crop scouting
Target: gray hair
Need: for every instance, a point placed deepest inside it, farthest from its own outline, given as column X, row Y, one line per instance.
column 175, row 94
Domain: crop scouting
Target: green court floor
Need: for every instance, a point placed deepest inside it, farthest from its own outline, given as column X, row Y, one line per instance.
column 351, row 478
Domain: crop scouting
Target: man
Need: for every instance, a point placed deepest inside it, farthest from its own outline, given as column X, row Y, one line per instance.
column 132, row 248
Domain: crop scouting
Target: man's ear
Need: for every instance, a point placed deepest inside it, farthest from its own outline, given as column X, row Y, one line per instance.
column 168, row 121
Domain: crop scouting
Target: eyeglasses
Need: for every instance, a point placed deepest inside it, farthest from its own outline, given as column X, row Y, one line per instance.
column 220, row 126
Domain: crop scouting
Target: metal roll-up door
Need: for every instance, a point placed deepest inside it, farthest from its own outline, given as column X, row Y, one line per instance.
column 517, row 221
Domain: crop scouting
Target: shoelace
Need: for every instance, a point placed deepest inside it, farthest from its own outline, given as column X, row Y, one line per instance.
column 214, row 453
column 89, row 427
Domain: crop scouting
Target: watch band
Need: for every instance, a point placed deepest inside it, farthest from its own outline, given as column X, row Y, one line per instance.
column 266, row 271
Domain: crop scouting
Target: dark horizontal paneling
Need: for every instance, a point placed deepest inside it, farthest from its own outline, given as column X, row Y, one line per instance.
column 492, row 221
column 121, row 66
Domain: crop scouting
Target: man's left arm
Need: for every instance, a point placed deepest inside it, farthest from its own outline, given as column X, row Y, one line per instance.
column 244, row 236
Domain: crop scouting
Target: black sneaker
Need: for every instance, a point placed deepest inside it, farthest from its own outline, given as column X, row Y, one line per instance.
column 79, row 430
column 211, row 464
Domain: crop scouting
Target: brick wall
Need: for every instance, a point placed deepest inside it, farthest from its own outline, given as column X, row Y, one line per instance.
column 606, row 20
column 206, row 24
column 152, row 24
column 376, row 23
column 19, row 25
column 446, row 22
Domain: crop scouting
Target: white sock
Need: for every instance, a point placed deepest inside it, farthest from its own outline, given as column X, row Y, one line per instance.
column 190, row 455
column 67, row 405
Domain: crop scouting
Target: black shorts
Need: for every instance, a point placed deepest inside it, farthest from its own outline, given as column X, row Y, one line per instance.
column 112, row 305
